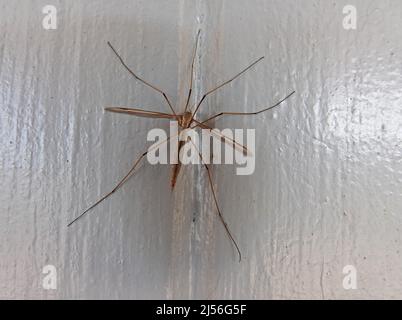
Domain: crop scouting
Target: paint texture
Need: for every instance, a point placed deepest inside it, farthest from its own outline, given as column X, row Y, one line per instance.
column 326, row 192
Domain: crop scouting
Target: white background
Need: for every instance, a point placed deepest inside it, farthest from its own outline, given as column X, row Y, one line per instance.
column 327, row 187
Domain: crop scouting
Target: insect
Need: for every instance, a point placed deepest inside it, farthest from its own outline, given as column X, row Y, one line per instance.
column 186, row 120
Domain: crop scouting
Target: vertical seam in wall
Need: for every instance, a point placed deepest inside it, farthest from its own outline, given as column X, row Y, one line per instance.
column 198, row 183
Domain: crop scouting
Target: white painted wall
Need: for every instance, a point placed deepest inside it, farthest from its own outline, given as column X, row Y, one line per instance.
column 326, row 192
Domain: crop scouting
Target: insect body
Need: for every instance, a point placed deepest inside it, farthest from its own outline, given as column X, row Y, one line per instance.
column 186, row 120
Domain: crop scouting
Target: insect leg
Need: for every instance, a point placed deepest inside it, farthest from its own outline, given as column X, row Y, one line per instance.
column 192, row 70
column 233, row 143
column 216, row 203
column 223, row 84
column 121, row 182
column 247, row 113
column 142, row 80
column 126, row 177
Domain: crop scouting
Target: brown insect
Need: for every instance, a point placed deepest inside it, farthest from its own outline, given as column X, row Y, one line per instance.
column 185, row 120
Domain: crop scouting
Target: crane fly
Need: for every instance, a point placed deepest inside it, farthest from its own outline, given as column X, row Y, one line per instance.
column 186, row 120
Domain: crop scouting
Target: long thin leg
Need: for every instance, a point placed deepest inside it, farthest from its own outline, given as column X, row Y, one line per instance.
column 247, row 113
column 192, row 71
column 231, row 142
column 216, row 203
column 126, row 177
column 223, row 84
column 142, row 80
column 121, row 182
column 141, row 112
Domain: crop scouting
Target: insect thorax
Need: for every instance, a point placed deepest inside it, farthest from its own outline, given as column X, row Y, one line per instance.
column 185, row 119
